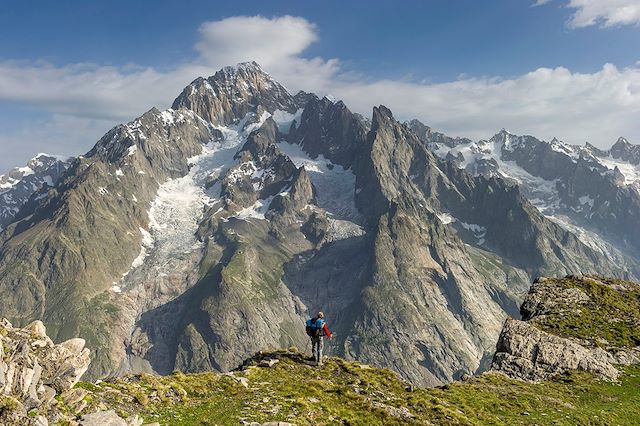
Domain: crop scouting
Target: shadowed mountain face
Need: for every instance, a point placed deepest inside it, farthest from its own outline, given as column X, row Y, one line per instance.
column 194, row 237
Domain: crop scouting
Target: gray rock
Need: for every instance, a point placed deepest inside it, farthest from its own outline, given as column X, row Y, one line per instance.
column 527, row 353
column 268, row 362
column 31, row 374
column 232, row 92
column 102, row 418
column 546, row 296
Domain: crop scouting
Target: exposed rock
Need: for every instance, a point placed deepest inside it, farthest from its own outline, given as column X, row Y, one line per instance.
column 554, row 338
column 331, row 130
column 401, row 413
column 31, row 374
column 428, row 136
column 107, row 418
column 625, row 151
column 547, row 296
column 232, row 92
column 527, row 353
column 268, row 362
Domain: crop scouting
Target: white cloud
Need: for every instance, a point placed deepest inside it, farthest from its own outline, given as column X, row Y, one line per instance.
column 255, row 38
column 596, row 107
column 604, row 13
column 84, row 100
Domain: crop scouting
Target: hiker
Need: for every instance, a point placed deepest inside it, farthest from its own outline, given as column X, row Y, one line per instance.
column 316, row 329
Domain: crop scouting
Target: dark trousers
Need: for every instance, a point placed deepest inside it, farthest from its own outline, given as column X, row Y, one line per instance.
column 316, row 348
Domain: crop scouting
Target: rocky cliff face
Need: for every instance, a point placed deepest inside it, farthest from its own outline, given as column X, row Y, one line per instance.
column 567, row 325
column 329, row 129
column 194, row 237
column 624, row 151
column 19, row 184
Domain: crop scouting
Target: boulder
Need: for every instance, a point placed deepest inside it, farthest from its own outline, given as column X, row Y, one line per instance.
column 525, row 352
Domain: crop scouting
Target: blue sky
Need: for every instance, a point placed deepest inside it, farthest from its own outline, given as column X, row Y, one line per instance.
column 568, row 68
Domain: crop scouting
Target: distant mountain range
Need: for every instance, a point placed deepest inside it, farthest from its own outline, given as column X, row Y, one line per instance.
column 19, row 184
column 194, row 237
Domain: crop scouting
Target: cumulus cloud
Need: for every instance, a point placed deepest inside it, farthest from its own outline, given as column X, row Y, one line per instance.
column 84, row 100
column 603, row 13
column 575, row 107
column 255, row 38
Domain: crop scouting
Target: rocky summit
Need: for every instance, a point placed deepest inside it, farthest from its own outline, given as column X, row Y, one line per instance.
column 192, row 238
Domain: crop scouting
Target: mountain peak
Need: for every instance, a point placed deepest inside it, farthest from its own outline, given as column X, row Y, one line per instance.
column 380, row 112
column 621, row 142
column 234, row 91
column 241, row 69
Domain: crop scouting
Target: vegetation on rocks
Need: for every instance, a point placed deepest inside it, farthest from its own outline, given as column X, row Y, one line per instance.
column 609, row 317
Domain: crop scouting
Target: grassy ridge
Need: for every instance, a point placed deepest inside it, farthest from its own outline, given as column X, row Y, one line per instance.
column 344, row 392
column 349, row 393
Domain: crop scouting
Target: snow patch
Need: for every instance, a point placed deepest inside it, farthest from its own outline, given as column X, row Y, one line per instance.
column 478, row 231
column 168, row 117
column 26, row 171
column 284, row 119
column 630, row 171
column 256, row 211
column 336, row 185
column 445, row 218
column 147, row 244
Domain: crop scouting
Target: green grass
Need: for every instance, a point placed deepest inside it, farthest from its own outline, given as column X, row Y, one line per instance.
column 344, row 392
column 348, row 393
column 611, row 319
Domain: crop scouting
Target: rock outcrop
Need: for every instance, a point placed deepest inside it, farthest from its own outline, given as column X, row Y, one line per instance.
column 539, row 347
column 38, row 378
column 527, row 353
column 233, row 92
column 33, row 370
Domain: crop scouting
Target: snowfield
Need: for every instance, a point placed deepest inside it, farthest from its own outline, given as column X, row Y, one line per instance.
column 335, row 185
